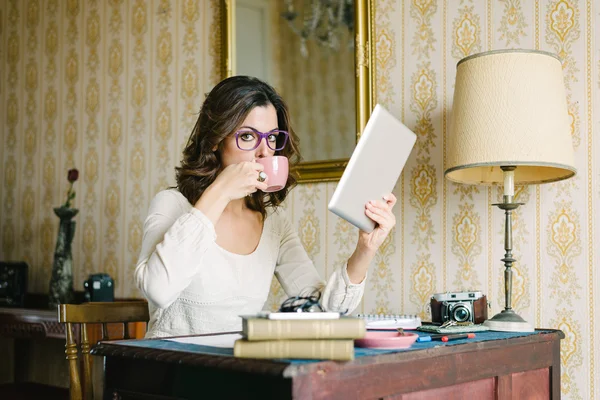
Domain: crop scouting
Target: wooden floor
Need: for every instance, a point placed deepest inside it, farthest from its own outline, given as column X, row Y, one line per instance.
column 27, row 391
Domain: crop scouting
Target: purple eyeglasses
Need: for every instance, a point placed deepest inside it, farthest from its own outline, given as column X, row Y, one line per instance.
column 249, row 139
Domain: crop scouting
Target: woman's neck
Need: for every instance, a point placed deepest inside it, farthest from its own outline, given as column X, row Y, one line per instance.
column 237, row 206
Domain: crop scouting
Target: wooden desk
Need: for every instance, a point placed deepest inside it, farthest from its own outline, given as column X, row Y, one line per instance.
column 37, row 321
column 526, row 367
column 30, row 323
column 37, row 343
column 38, row 348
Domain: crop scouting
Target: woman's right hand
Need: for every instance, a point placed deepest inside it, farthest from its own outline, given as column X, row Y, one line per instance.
column 237, row 181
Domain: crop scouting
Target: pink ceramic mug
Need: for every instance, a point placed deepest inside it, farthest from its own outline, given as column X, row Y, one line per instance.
column 276, row 168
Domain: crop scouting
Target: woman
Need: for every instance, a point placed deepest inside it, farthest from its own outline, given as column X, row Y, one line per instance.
column 211, row 246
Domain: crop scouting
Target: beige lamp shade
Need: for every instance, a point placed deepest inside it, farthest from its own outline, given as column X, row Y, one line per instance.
column 510, row 109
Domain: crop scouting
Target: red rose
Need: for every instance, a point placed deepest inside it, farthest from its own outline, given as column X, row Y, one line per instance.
column 73, row 175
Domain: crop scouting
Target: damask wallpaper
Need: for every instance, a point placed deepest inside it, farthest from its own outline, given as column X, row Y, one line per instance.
column 448, row 237
column 111, row 87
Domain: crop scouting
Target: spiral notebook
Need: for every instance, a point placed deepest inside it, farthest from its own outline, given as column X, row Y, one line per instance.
column 390, row 322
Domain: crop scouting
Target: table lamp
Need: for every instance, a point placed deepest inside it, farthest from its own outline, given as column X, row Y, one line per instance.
column 510, row 125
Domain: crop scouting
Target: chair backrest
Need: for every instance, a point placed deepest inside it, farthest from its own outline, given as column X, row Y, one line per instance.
column 81, row 315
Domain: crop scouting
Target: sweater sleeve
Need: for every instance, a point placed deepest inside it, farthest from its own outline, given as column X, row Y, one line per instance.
column 174, row 243
column 296, row 273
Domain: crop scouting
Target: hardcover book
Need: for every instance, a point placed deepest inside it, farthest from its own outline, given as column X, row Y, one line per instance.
column 254, row 328
column 302, row 349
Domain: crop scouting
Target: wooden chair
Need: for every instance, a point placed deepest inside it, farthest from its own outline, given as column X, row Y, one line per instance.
column 84, row 315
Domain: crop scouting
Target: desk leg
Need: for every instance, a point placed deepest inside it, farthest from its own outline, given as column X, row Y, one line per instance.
column 21, row 362
column 555, row 372
column 504, row 387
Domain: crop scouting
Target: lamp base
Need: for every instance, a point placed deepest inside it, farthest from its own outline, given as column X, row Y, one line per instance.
column 508, row 321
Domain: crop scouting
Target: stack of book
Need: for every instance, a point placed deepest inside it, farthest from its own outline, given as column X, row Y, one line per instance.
column 310, row 337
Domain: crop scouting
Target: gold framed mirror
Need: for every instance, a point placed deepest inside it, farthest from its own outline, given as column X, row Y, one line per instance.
column 359, row 74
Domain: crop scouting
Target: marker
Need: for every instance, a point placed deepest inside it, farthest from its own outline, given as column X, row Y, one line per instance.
column 457, row 336
column 445, row 337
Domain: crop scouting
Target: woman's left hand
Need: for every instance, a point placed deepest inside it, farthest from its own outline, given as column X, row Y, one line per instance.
column 380, row 212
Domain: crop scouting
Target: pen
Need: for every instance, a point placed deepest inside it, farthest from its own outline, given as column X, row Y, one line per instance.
column 446, row 337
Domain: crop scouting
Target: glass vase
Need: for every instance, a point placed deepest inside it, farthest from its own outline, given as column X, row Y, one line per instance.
column 61, row 282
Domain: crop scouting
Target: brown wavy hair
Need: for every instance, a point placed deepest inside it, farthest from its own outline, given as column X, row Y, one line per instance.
column 222, row 113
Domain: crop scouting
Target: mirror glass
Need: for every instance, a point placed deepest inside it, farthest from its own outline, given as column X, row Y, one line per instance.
column 306, row 51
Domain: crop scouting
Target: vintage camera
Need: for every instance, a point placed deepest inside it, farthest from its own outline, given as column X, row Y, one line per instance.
column 459, row 307
column 99, row 287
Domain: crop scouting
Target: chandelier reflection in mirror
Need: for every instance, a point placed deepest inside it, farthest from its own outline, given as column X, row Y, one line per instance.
column 320, row 20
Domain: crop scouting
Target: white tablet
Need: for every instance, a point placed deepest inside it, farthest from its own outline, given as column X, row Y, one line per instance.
column 374, row 167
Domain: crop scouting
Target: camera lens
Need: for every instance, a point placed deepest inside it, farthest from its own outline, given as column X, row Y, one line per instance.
column 461, row 314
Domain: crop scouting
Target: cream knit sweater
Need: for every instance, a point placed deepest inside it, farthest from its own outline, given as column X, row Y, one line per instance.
column 194, row 286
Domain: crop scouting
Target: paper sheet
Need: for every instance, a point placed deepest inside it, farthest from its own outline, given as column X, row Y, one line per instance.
column 225, row 341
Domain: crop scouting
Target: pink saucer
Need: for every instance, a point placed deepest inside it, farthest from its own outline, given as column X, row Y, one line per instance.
column 386, row 340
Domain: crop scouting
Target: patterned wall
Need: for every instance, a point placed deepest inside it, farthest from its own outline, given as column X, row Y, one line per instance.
column 111, row 87
column 448, row 236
